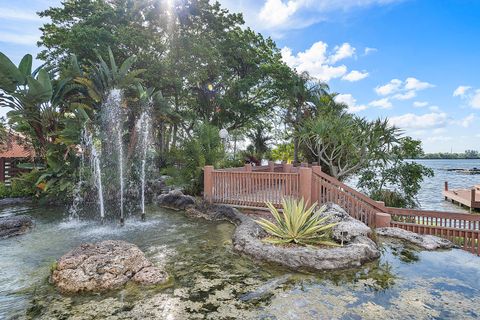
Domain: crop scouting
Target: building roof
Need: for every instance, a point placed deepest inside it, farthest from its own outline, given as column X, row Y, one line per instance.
column 16, row 146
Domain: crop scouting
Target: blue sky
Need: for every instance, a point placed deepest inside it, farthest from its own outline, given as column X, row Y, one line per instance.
column 416, row 62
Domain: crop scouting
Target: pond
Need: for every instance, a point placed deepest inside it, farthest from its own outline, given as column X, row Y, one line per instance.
column 213, row 282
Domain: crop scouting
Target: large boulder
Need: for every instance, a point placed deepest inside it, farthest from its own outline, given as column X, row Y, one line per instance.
column 95, row 267
column 175, row 199
column 427, row 242
column 248, row 236
column 14, row 225
column 247, row 239
column 347, row 228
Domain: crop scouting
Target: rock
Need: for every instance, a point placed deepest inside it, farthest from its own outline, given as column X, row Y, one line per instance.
column 158, row 186
column 247, row 239
column 102, row 266
column 175, row 199
column 346, row 231
column 150, row 275
column 14, row 201
column 347, row 228
column 14, row 225
column 335, row 212
column 427, row 242
column 265, row 289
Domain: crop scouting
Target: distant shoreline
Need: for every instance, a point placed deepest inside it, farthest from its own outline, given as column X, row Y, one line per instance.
column 446, row 159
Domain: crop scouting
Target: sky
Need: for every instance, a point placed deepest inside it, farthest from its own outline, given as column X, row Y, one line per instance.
column 416, row 62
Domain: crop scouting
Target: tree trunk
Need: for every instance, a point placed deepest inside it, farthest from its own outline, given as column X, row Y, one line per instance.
column 295, row 149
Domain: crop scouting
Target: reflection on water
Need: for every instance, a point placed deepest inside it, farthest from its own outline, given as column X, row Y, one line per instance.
column 213, row 282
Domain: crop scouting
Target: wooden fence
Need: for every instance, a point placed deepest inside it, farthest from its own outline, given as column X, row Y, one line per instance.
column 253, row 186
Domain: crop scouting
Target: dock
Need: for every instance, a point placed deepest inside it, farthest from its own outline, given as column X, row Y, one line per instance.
column 469, row 198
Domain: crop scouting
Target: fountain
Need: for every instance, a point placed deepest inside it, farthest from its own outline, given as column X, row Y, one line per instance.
column 96, row 171
column 143, row 128
column 104, row 145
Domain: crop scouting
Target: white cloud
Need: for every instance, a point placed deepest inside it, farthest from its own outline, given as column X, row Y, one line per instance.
column 475, row 100
column 275, row 12
column 402, row 90
column 425, row 121
column 420, row 104
column 295, row 14
column 416, row 85
column 467, row 121
column 317, row 61
column 381, row 103
column 434, row 108
column 342, row 52
column 368, row 50
column 405, row 96
column 461, row 90
column 355, row 75
column 389, row 88
column 18, row 14
column 350, row 101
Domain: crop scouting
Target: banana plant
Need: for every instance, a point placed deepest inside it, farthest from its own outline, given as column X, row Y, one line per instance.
column 38, row 101
column 105, row 77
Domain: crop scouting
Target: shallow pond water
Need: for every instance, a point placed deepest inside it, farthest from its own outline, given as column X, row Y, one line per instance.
column 210, row 281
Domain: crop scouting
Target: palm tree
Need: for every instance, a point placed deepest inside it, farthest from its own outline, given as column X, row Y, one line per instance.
column 302, row 91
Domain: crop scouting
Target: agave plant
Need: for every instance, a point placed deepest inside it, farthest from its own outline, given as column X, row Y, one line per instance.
column 298, row 224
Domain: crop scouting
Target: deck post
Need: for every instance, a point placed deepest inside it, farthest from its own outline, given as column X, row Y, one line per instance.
column 248, row 167
column 271, row 166
column 305, row 184
column 472, row 206
column 382, row 220
column 315, row 188
column 287, row 167
column 446, row 185
column 208, row 183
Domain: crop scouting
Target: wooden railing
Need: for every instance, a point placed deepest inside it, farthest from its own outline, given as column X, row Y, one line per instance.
column 252, row 187
column 463, row 229
column 328, row 189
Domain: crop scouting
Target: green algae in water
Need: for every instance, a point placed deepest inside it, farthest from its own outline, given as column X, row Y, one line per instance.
column 211, row 281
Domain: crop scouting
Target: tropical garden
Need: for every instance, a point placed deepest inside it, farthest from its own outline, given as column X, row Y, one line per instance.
column 125, row 109
column 201, row 71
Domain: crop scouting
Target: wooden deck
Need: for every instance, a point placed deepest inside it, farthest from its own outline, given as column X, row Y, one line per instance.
column 469, row 198
column 249, row 188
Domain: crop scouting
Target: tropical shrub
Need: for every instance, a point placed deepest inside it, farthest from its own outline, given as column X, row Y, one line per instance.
column 298, row 224
column 203, row 148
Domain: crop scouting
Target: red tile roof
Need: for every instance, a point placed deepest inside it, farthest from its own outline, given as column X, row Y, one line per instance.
column 16, row 147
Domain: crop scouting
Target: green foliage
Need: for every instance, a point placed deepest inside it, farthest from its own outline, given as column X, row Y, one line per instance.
column 25, row 184
column 468, row 154
column 396, row 181
column 4, row 191
column 21, row 186
column 260, row 139
column 297, row 224
column 283, row 152
column 344, row 144
column 204, row 148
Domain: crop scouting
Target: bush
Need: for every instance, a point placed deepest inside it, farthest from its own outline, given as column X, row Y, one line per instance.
column 204, row 148
column 21, row 186
column 4, row 191
column 25, row 185
column 297, row 224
